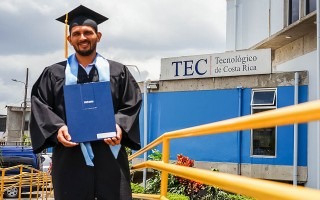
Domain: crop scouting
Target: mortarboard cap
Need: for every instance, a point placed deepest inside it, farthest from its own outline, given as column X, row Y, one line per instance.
column 81, row 16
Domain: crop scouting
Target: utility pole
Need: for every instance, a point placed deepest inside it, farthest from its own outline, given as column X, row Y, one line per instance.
column 24, row 104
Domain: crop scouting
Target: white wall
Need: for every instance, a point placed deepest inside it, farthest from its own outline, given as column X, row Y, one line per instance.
column 307, row 62
column 230, row 40
column 254, row 23
column 277, row 19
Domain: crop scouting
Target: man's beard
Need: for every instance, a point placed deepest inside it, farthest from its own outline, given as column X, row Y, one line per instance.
column 86, row 52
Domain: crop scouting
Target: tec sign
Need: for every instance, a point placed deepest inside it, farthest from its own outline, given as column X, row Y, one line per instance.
column 217, row 65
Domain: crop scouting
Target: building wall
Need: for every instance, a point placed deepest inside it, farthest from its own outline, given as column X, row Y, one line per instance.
column 185, row 103
column 277, row 19
column 309, row 62
column 300, row 53
column 255, row 21
column 14, row 124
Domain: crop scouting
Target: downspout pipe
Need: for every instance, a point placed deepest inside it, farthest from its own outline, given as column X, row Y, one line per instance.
column 239, row 133
column 318, row 96
column 295, row 132
column 145, row 129
column 235, row 24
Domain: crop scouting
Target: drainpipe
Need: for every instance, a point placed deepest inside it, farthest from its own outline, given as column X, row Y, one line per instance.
column 145, row 128
column 269, row 18
column 317, row 154
column 239, row 133
column 295, row 132
column 235, row 24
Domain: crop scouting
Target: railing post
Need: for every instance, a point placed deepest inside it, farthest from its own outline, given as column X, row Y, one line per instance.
column 3, row 171
column 31, row 180
column 164, row 174
column 20, row 181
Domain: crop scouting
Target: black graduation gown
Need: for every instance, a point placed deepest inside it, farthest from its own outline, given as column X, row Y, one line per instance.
column 109, row 179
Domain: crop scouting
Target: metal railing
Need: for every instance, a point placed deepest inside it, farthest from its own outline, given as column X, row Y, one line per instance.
column 15, row 143
column 261, row 189
column 35, row 182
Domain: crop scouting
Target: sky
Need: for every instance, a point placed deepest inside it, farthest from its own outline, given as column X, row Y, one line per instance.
column 138, row 34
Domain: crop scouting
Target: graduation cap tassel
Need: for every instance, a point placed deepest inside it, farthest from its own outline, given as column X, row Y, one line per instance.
column 65, row 40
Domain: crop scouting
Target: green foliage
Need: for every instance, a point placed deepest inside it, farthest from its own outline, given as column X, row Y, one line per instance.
column 129, row 151
column 174, row 185
column 155, row 155
column 222, row 195
column 239, row 197
column 153, row 184
column 184, row 189
column 136, row 188
column 172, row 196
column 26, row 140
column 192, row 189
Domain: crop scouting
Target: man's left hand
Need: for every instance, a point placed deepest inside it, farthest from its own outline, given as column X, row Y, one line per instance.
column 115, row 140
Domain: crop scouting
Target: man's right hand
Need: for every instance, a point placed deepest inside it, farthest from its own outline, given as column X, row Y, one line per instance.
column 64, row 137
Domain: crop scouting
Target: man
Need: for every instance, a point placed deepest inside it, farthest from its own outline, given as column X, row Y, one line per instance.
column 108, row 177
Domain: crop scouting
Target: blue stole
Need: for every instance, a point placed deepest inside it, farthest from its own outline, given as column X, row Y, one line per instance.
column 71, row 74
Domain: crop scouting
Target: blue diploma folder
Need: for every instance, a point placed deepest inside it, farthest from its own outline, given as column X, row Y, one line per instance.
column 89, row 111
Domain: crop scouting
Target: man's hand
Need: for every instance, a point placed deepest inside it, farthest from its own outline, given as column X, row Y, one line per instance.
column 64, row 137
column 115, row 140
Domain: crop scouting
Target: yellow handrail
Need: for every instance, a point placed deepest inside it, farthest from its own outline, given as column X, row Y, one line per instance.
column 146, row 196
column 260, row 189
column 300, row 113
column 42, row 180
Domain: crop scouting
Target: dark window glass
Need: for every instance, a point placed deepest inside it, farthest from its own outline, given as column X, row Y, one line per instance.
column 26, row 125
column 293, row 11
column 310, row 6
column 3, row 124
column 263, row 139
column 263, row 98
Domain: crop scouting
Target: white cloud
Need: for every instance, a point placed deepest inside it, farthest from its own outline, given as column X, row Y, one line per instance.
column 138, row 33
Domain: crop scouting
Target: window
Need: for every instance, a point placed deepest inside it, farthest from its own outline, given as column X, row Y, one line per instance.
column 26, row 125
column 263, row 141
column 263, row 97
column 310, row 6
column 293, row 11
column 299, row 8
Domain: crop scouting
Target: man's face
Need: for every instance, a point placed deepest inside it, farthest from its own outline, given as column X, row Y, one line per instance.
column 84, row 39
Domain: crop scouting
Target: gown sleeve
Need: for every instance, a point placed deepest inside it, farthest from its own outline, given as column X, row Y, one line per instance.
column 44, row 120
column 127, row 108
